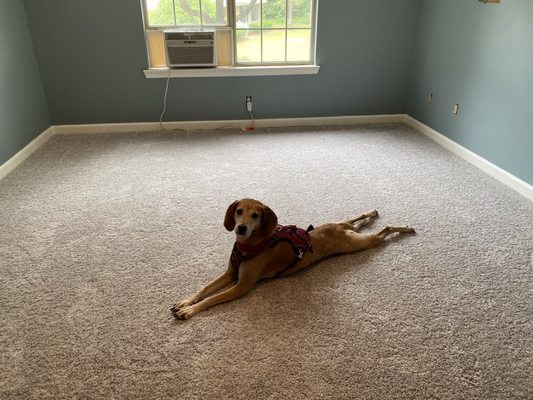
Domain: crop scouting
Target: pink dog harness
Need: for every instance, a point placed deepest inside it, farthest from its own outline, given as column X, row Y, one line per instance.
column 299, row 239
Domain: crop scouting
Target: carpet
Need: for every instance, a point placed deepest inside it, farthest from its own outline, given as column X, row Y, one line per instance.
column 101, row 234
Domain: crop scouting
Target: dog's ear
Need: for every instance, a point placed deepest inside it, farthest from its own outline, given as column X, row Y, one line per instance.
column 229, row 219
column 269, row 221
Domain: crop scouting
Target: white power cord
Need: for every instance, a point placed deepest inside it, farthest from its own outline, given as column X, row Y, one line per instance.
column 164, row 103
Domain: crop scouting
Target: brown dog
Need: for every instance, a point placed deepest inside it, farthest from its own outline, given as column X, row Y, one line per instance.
column 264, row 249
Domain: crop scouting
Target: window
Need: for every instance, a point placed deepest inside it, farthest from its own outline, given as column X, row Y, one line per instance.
column 249, row 32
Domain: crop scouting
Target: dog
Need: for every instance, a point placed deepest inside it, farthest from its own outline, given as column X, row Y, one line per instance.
column 264, row 249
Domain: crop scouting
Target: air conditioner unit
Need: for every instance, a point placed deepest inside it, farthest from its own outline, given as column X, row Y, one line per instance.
column 190, row 48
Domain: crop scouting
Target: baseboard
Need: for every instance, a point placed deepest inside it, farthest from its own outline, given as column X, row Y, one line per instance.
column 522, row 187
column 14, row 161
column 237, row 124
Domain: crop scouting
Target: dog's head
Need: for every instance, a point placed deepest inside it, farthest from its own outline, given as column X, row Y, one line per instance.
column 251, row 220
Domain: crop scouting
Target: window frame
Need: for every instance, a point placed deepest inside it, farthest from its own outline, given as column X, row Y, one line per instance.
column 231, row 26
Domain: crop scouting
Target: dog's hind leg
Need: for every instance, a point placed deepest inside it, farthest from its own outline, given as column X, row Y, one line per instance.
column 388, row 230
column 356, row 227
column 357, row 223
column 355, row 241
column 368, row 214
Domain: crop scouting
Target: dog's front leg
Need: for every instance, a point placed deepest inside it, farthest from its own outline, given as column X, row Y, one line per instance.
column 239, row 290
column 219, row 283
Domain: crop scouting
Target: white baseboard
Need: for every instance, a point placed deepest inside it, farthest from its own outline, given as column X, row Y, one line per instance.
column 498, row 173
column 14, row 161
column 237, row 124
column 524, row 188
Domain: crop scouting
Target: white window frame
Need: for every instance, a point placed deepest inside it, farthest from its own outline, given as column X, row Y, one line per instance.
column 240, row 69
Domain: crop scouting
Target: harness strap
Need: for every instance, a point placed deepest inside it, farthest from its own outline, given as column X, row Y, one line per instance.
column 237, row 257
column 297, row 237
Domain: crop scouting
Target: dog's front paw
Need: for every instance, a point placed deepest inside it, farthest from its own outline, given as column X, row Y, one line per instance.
column 184, row 312
column 184, row 303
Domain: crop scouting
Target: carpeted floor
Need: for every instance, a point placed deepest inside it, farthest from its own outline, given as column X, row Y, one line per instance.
column 99, row 235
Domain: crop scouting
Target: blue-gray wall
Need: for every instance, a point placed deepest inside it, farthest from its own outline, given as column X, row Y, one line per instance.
column 23, row 110
column 92, row 54
column 481, row 57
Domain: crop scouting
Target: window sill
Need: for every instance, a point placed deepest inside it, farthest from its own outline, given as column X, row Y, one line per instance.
column 231, row 71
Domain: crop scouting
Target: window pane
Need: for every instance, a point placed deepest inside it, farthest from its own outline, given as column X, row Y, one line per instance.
column 160, row 12
column 274, row 45
column 248, row 13
column 299, row 13
column 215, row 12
column 187, row 12
column 274, row 13
column 248, row 45
column 299, row 45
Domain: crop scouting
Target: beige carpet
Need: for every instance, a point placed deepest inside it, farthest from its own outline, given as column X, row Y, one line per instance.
column 99, row 235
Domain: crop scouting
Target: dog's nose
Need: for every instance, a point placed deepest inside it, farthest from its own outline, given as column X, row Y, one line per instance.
column 241, row 229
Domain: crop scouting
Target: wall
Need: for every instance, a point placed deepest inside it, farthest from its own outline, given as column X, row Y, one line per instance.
column 23, row 110
column 480, row 56
column 92, row 54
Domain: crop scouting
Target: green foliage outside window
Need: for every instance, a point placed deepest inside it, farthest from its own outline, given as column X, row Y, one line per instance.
column 298, row 13
column 214, row 12
column 187, row 13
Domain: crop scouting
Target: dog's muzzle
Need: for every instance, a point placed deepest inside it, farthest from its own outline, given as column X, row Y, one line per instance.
column 241, row 229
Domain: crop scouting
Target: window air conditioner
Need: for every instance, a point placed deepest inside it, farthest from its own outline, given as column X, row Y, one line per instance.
column 190, row 48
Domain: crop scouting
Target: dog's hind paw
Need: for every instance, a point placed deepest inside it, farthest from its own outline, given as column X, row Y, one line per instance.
column 404, row 229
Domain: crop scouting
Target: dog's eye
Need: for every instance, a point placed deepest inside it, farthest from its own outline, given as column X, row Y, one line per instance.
column 255, row 215
column 239, row 211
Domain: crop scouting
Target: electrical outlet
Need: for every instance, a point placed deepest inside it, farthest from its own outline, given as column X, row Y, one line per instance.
column 430, row 97
column 455, row 109
column 249, row 103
